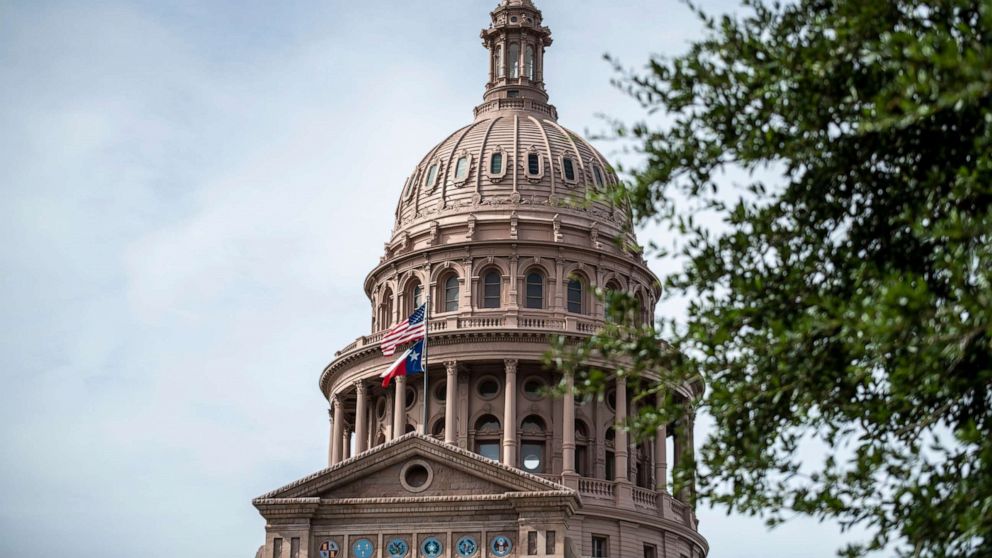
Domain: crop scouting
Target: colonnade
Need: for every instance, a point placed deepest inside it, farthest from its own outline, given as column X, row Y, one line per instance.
column 340, row 438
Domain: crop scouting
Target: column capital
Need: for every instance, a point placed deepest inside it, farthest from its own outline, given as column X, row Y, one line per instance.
column 360, row 386
column 511, row 365
column 451, row 367
column 336, row 399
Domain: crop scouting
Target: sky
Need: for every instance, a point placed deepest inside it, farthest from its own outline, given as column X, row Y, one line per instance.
column 192, row 194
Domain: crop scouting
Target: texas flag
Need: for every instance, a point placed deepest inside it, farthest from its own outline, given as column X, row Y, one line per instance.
column 410, row 362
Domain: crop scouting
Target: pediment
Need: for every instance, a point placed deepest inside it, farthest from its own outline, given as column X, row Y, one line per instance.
column 398, row 469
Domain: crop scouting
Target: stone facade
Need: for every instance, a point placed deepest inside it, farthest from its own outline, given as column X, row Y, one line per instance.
column 499, row 229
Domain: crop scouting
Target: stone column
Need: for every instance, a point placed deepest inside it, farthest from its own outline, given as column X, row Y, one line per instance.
column 390, row 408
column 330, row 435
column 568, row 426
column 620, row 441
column 346, row 445
column 625, row 491
column 338, row 434
column 399, row 407
column 661, row 459
column 361, row 417
column 510, row 414
column 450, row 400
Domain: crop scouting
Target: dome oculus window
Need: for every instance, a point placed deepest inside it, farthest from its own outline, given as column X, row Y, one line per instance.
column 535, row 290
column 533, row 164
column 461, row 168
column 491, row 283
column 568, row 169
column 496, row 163
column 430, row 181
column 597, row 176
column 411, row 397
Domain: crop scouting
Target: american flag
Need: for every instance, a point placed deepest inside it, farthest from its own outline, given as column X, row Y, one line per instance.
column 410, row 329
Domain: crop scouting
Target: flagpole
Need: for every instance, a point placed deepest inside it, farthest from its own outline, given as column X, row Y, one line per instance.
column 427, row 393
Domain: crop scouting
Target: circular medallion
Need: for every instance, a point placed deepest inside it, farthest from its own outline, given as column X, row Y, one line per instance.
column 467, row 546
column 431, row 548
column 397, row 548
column 500, row 546
column 362, row 548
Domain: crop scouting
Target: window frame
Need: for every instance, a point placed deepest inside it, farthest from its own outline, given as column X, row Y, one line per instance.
column 543, row 286
column 576, row 169
column 431, row 176
column 455, row 178
column 484, row 296
column 504, row 156
column 582, row 290
column 444, row 289
column 533, row 152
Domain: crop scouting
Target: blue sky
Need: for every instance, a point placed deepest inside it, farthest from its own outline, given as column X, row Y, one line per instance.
column 193, row 192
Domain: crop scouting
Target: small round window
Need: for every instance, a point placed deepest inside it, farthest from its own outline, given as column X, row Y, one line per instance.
column 411, row 397
column 416, row 475
column 488, row 387
column 611, row 399
column 534, row 388
column 441, row 391
column 380, row 408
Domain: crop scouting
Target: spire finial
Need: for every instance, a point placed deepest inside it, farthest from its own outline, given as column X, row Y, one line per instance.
column 516, row 40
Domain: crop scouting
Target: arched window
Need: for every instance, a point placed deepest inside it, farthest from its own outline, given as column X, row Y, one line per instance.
column 496, row 163
column 641, row 310
column 491, row 283
column 514, row 60
column 438, row 429
column 461, row 168
column 529, row 63
column 450, row 294
column 597, row 176
column 385, row 314
column 498, row 61
column 575, row 295
column 487, row 436
column 581, row 448
column 532, row 444
column 533, row 164
column 610, row 455
column 414, row 296
column 568, row 168
column 535, row 290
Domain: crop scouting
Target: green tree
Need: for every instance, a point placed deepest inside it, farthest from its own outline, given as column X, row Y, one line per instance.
column 847, row 302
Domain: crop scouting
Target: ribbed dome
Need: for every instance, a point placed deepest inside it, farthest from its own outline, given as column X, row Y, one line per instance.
column 510, row 156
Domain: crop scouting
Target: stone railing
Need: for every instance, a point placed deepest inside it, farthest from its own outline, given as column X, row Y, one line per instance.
column 519, row 103
column 645, row 498
column 496, row 320
column 681, row 512
column 597, row 488
column 466, row 323
column 599, row 491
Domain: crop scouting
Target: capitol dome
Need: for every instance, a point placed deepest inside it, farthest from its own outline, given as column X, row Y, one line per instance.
column 505, row 234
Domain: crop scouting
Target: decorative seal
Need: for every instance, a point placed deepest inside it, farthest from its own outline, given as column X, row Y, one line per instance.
column 467, row 546
column 500, row 546
column 431, row 548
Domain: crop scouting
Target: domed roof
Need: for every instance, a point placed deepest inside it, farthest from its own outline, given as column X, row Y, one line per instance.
column 511, row 154
column 515, row 153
